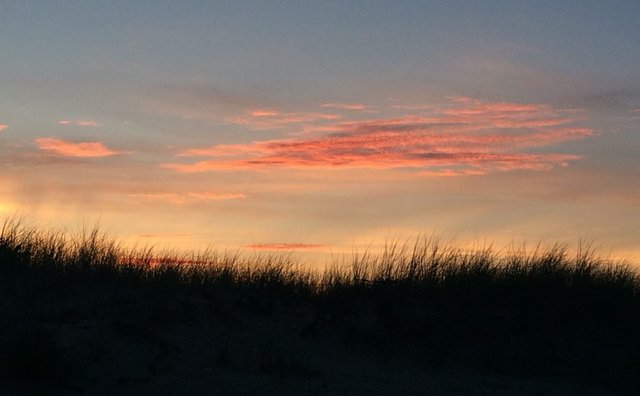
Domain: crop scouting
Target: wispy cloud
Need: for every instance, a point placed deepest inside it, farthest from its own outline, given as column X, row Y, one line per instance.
column 345, row 106
column 189, row 197
column 453, row 172
column 285, row 246
column 3, row 127
column 273, row 119
column 71, row 149
column 82, row 123
column 465, row 137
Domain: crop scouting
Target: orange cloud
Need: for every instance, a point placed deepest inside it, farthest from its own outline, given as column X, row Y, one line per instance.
column 3, row 127
column 468, row 137
column 183, row 198
column 284, row 246
column 83, row 123
column 70, row 149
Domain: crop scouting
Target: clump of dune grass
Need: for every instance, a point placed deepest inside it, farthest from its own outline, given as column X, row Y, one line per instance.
column 425, row 263
column 543, row 311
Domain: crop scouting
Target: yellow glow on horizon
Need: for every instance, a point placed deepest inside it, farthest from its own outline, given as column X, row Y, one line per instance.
column 7, row 207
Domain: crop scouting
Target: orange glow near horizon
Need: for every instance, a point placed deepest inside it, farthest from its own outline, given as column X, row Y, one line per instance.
column 6, row 208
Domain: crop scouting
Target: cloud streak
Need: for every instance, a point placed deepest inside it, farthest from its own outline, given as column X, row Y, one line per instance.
column 285, row 246
column 465, row 137
column 273, row 119
column 71, row 149
column 82, row 123
column 345, row 106
column 190, row 197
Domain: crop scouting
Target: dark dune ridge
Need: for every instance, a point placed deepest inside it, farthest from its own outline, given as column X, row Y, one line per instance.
column 83, row 315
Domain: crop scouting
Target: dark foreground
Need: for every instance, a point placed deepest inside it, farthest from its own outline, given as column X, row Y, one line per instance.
column 85, row 317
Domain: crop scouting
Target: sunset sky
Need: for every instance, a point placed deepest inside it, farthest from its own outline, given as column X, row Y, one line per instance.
column 321, row 127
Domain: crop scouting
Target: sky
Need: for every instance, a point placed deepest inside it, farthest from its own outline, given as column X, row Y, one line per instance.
column 324, row 127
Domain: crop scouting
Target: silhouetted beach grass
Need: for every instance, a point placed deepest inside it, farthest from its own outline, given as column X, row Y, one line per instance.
column 83, row 314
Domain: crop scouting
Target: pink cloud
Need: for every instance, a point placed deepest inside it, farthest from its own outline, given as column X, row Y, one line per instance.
column 284, row 246
column 467, row 137
column 189, row 197
column 82, row 123
column 71, row 149
column 273, row 119
column 3, row 127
